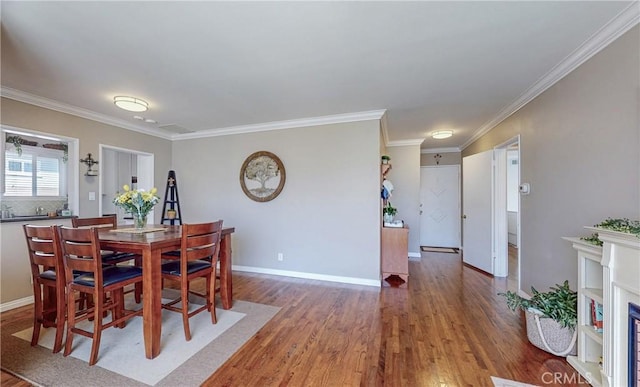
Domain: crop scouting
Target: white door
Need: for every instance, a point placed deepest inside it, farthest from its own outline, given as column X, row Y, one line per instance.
column 440, row 206
column 476, row 209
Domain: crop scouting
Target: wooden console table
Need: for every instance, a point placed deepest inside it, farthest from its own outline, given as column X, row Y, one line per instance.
column 395, row 254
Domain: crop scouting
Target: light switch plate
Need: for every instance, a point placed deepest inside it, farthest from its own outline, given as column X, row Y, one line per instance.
column 92, row 195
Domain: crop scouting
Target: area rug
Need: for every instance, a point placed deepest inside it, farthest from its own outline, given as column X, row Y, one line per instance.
column 121, row 360
column 432, row 249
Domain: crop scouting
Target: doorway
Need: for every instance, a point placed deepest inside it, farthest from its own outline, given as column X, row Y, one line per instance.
column 122, row 166
column 507, row 212
column 440, row 206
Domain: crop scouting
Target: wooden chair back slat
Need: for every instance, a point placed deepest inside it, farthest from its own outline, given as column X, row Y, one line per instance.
column 81, row 251
column 200, row 240
column 44, row 253
column 43, row 246
column 107, row 221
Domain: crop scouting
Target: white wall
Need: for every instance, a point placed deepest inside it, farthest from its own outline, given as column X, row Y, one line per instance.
column 579, row 150
column 326, row 221
column 405, row 176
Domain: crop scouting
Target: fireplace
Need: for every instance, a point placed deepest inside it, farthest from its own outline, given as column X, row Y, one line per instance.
column 634, row 345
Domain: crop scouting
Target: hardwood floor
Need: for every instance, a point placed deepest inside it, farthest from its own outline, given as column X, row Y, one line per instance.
column 449, row 328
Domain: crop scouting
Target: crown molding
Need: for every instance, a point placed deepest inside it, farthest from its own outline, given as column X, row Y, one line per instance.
column 611, row 31
column 50, row 104
column 416, row 141
column 288, row 124
column 440, row 150
column 383, row 127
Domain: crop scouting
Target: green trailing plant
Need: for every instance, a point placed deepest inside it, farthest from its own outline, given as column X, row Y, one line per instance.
column 622, row 225
column 389, row 209
column 559, row 304
column 17, row 143
column 592, row 239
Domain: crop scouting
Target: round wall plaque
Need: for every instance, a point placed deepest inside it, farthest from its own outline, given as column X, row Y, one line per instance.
column 262, row 176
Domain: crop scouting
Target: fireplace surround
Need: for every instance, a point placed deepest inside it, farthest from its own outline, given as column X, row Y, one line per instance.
column 621, row 287
column 634, row 345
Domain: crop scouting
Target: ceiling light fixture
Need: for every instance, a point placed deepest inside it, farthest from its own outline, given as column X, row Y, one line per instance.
column 131, row 104
column 440, row 134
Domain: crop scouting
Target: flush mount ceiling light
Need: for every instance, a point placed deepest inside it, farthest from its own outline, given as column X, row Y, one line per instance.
column 131, row 104
column 440, row 134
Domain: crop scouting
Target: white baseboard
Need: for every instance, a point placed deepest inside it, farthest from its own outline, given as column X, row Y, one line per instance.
column 298, row 274
column 16, row 303
column 414, row 255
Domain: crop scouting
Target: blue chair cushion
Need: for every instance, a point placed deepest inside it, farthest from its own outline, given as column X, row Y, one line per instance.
column 110, row 275
column 173, row 267
column 117, row 256
column 48, row 274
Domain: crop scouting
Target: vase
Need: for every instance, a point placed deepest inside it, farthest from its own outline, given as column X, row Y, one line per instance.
column 140, row 221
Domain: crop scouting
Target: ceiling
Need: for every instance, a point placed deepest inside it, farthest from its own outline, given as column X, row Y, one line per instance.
column 214, row 67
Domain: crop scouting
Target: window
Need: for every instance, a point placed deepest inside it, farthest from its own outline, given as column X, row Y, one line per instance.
column 36, row 172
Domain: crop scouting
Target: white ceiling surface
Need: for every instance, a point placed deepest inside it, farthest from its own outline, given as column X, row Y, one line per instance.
column 211, row 66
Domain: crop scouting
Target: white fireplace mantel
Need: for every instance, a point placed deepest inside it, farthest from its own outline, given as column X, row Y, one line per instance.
column 621, row 285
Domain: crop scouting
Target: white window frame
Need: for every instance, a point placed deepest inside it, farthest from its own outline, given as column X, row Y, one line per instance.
column 39, row 152
column 73, row 177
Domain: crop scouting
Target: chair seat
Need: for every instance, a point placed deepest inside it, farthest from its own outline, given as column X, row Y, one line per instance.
column 173, row 254
column 173, row 268
column 48, row 274
column 110, row 275
column 110, row 256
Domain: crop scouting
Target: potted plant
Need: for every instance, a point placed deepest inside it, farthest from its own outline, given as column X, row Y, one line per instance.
column 385, row 159
column 551, row 318
column 389, row 212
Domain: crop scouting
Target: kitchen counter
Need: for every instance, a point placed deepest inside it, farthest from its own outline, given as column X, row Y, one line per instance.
column 32, row 218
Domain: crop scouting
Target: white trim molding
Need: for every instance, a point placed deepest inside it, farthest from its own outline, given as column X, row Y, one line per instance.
column 440, row 150
column 415, row 141
column 313, row 276
column 620, row 24
column 289, row 124
column 16, row 303
column 50, row 104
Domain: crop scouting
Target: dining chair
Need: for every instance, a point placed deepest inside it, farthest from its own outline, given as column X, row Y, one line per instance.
column 111, row 257
column 110, row 222
column 48, row 278
column 81, row 253
column 199, row 251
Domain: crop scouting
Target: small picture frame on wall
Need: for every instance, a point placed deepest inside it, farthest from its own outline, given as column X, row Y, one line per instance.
column 262, row 176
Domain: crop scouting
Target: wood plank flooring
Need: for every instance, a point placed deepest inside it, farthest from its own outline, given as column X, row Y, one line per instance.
column 449, row 328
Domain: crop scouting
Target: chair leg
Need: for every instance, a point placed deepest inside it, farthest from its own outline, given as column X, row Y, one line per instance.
column 37, row 314
column 71, row 321
column 184, row 290
column 118, row 308
column 97, row 329
column 211, row 296
column 137, row 293
column 61, row 310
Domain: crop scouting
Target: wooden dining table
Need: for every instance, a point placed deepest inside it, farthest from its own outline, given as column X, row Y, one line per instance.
column 151, row 245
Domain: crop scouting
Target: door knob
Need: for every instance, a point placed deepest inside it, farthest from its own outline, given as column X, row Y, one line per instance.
column 464, row 216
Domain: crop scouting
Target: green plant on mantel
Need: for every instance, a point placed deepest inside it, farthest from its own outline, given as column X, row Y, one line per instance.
column 593, row 239
column 621, row 225
column 559, row 304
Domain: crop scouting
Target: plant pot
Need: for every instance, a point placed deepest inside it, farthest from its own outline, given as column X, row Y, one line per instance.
column 387, row 218
column 548, row 335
